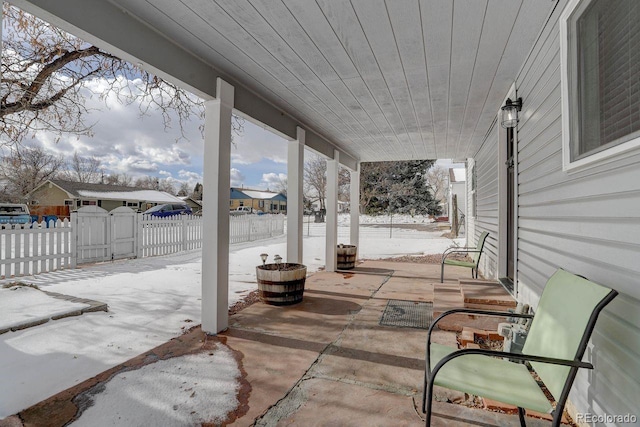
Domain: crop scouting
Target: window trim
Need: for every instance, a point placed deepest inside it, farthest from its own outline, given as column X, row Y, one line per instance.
column 568, row 103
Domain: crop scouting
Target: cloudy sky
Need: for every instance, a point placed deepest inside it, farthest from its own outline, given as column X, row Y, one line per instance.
column 127, row 143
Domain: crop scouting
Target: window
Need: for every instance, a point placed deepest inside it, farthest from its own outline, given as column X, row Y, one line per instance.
column 601, row 79
column 68, row 202
column 88, row 203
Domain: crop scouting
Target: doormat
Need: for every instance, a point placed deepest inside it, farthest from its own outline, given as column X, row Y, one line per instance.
column 407, row 314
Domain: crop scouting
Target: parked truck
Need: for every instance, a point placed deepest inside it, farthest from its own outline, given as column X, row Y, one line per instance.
column 241, row 210
column 14, row 213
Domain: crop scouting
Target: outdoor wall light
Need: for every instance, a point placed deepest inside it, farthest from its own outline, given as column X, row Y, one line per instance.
column 510, row 113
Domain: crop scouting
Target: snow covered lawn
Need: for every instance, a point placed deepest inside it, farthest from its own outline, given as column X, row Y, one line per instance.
column 40, row 306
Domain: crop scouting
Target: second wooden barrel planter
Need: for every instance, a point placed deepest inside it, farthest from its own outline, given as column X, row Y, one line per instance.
column 281, row 284
column 347, row 256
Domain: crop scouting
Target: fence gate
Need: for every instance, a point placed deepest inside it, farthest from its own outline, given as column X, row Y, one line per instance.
column 93, row 231
column 124, row 226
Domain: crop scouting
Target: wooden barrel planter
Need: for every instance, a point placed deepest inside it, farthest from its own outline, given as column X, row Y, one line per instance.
column 347, row 256
column 281, row 284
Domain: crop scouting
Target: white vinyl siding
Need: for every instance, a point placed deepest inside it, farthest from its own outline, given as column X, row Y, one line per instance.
column 486, row 172
column 586, row 222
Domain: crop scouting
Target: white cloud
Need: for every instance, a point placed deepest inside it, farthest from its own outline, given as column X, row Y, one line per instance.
column 273, row 180
column 127, row 143
column 237, row 178
column 257, row 144
column 190, row 176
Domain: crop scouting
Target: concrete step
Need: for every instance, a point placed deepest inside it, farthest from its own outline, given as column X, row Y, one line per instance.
column 448, row 296
column 484, row 293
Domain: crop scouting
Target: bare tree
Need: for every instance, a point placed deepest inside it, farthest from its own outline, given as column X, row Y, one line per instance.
column 197, row 191
column 154, row 183
column 438, row 181
column 184, row 189
column 118, row 179
column 344, row 184
column 281, row 185
column 24, row 168
column 45, row 72
column 315, row 180
column 84, row 169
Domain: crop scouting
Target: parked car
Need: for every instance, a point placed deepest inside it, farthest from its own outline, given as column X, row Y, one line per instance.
column 241, row 210
column 14, row 213
column 169, row 209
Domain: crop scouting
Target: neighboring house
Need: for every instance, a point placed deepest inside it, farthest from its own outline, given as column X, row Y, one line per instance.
column 195, row 205
column 457, row 187
column 343, row 207
column 59, row 197
column 265, row 201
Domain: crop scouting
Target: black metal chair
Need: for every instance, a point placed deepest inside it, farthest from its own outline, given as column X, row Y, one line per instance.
column 475, row 253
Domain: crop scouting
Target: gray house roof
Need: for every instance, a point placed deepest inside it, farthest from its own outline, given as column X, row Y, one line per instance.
column 77, row 190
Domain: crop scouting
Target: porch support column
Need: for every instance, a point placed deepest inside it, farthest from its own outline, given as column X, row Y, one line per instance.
column 295, row 174
column 332, row 212
column 216, row 189
column 354, row 208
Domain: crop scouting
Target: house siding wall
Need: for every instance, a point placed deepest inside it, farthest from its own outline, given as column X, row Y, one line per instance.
column 587, row 222
column 486, row 165
column 49, row 196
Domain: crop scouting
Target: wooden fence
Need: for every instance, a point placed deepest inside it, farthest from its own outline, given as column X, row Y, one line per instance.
column 95, row 235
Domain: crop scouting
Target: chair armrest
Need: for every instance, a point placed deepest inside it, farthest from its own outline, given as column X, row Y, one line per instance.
column 510, row 355
column 459, row 251
column 457, row 248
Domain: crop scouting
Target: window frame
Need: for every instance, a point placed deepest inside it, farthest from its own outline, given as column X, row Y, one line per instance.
column 569, row 104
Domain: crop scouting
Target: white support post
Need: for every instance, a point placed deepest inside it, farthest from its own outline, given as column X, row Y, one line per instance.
column 295, row 174
column 332, row 212
column 354, row 208
column 216, row 187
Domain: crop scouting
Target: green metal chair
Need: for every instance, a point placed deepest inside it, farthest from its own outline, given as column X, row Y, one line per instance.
column 475, row 256
column 558, row 337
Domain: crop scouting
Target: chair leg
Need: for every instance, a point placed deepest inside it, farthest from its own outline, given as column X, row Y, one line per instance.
column 424, row 394
column 442, row 272
column 429, row 400
column 521, row 416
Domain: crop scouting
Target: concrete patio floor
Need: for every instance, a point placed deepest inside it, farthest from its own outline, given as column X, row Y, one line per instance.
column 324, row 362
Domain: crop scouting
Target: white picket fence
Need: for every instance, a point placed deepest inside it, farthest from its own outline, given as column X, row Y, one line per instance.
column 161, row 236
column 34, row 248
column 247, row 228
column 95, row 235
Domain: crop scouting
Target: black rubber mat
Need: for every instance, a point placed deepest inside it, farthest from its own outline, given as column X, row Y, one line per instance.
column 407, row 314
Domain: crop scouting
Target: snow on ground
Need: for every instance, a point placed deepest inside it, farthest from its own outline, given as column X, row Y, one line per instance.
column 183, row 391
column 41, row 306
column 152, row 300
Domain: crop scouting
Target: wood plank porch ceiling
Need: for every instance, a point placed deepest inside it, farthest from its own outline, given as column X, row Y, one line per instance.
column 382, row 80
